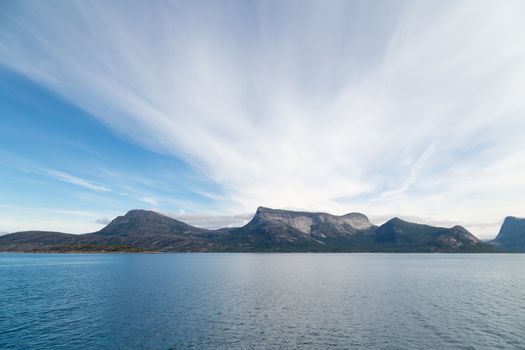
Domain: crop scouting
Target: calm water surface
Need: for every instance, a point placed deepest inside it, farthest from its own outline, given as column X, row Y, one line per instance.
column 262, row 301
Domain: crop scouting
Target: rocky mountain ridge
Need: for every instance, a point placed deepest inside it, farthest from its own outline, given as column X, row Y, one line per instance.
column 270, row 230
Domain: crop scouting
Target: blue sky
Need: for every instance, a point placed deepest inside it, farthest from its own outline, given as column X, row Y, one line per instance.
column 61, row 164
column 206, row 110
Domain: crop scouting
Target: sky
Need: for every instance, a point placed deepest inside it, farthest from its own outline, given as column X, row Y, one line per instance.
column 205, row 110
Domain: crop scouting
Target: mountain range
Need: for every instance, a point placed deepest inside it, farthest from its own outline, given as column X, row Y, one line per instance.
column 270, row 230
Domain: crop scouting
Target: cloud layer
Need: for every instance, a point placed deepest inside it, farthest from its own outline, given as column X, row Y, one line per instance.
column 412, row 108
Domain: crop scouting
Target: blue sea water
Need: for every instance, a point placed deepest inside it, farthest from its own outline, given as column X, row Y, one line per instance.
column 262, row 301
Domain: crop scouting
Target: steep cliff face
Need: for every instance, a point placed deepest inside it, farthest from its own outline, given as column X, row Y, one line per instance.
column 512, row 234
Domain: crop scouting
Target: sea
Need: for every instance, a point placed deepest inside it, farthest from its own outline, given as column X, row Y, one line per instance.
column 262, row 301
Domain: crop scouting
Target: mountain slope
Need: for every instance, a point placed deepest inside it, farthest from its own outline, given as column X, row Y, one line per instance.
column 147, row 222
column 511, row 235
column 31, row 240
column 400, row 235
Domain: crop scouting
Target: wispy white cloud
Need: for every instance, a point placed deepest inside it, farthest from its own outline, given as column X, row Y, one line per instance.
column 300, row 106
column 90, row 185
column 151, row 201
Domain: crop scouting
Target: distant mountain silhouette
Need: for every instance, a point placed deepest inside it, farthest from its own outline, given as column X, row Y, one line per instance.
column 270, row 230
column 511, row 236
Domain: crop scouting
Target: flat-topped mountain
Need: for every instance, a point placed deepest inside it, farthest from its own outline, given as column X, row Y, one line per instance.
column 511, row 235
column 314, row 224
column 270, row 230
column 287, row 230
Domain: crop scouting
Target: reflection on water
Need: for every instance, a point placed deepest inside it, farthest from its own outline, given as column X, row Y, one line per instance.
column 265, row 301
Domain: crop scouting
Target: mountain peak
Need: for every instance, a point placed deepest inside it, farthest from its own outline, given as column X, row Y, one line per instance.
column 512, row 233
column 140, row 221
column 140, row 213
column 513, row 219
column 459, row 232
column 262, row 209
column 396, row 221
